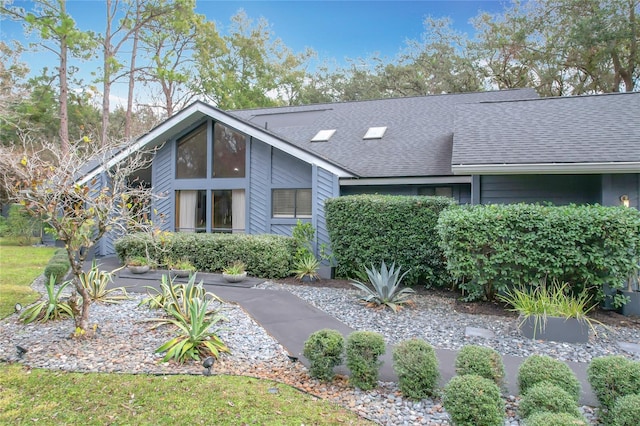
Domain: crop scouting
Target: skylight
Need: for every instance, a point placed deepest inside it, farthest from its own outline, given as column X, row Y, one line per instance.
column 323, row 135
column 375, row 133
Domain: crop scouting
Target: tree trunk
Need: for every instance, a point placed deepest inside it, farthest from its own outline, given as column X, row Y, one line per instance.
column 64, row 90
column 106, row 82
column 132, row 68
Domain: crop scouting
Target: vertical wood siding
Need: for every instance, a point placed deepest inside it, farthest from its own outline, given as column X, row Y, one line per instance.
column 326, row 186
column 556, row 189
column 289, row 172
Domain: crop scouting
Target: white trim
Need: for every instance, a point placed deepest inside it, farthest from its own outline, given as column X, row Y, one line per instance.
column 547, row 168
column 435, row 180
column 227, row 119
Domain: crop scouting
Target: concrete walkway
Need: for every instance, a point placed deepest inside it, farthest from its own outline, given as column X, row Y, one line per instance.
column 290, row 320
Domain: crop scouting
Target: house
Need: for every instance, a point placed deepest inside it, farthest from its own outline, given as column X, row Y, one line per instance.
column 260, row 170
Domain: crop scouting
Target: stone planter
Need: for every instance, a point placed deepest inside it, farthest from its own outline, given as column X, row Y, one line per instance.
column 632, row 307
column 234, row 278
column 327, row 272
column 181, row 273
column 556, row 329
column 138, row 269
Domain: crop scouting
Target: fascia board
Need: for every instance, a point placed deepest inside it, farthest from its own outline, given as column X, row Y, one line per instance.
column 546, row 168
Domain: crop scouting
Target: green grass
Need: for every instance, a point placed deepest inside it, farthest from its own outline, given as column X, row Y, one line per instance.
column 48, row 397
column 19, row 266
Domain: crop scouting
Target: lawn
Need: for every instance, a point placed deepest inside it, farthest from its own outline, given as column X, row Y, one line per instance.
column 19, row 266
column 48, row 397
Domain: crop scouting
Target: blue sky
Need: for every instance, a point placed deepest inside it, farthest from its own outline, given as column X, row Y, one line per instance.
column 335, row 29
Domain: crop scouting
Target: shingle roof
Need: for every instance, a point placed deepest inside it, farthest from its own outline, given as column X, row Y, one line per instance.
column 418, row 140
column 560, row 131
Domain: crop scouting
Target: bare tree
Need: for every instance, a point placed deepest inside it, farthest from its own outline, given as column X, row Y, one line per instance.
column 81, row 193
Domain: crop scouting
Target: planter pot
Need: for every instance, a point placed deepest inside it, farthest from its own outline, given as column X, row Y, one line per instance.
column 632, row 307
column 138, row 269
column 609, row 293
column 327, row 272
column 234, row 278
column 308, row 279
column 556, row 329
column 181, row 273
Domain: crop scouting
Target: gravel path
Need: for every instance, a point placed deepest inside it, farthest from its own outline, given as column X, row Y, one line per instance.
column 124, row 343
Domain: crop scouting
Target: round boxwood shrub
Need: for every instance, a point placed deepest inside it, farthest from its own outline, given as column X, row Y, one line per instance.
column 324, row 349
column 472, row 400
column 363, row 350
column 480, row 360
column 545, row 396
column 542, row 368
column 612, row 377
column 416, row 365
column 58, row 269
column 547, row 418
column 626, row 410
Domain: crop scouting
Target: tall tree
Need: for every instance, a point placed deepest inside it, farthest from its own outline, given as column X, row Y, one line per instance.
column 58, row 34
column 12, row 87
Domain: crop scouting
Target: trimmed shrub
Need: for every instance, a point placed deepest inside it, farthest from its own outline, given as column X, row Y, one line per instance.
column 57, row 268
column 266, row 256
column 491, row 247
column 20, row 224
column 626, row 411
column 324, row 349
column 369, row 229
column 541, row 368
column 545, row 396
column 416, row 365
column 554, row 419
column 363, row 350
column 612, row 377
column 480, row 360
column 472, row 400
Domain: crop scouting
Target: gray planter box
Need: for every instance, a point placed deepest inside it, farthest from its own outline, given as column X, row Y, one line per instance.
column 555, row 329
column 632, row 307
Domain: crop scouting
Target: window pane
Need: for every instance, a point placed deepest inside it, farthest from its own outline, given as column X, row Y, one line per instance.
column 303, row 203
column 191, row 215
column 222, row 210
column 283, row 203
column 444, row 191
column 191, row 158
column 228, row 152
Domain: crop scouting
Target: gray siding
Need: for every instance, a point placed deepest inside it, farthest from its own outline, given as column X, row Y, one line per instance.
column 162, row 180
column 288, row 171
column 326, row 186
column 616, row 185
column 556, row 189
column 259, row 188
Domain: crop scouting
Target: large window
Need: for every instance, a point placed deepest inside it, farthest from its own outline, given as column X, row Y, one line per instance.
column 291, row 203
column 191, row 158
column 228, row 212
column 191, row 214
column 229, row 149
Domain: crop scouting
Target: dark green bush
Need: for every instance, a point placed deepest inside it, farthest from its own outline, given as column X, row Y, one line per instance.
column 364, row 349
column 626, row 410
column 491, row 247
column 265, row 256
column 20, row 224
column 57, row 268
column 416, row 365
column 545, row 396
column 541, row 368
column 553, row 419
column 612, row 377
column 472, row 400
column 480, row 360
column 369, row 229
column 324, row 350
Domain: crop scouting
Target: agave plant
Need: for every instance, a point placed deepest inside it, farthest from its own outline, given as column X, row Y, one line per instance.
column 195, row 339
column 50, row 309
column 96, row 283
column 306, row 267
column 385, row 284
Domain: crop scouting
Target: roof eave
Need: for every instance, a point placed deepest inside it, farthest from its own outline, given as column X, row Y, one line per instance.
column 546, row 168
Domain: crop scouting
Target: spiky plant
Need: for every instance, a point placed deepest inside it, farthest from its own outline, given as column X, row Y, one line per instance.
column 96, row 282
column 51, row 308
column 385, row 291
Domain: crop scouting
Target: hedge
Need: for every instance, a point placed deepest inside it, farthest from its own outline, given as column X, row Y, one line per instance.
column 367, row 229
column 491, row 247
column 265, row 256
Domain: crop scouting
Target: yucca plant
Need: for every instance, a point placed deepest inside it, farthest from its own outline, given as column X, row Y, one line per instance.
column 195, row 339
column 385, row 292
column 96, row 283
column 158, row 298
column 306, row 267
column 50, row 309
